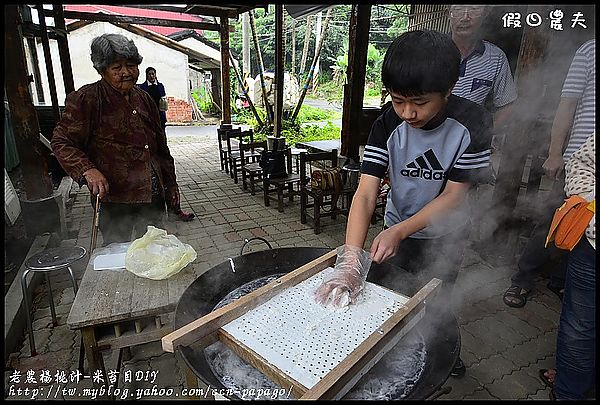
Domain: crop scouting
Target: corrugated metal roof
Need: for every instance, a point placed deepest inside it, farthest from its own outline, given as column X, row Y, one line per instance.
column 138, row 12
column 429, row 17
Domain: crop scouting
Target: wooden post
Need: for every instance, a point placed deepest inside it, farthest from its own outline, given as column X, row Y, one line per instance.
column 279, row 69
column 354, row 87
column 32, row 154
column 225, row 82
column 293, row 67
column 49, row 65
column 37, row 75
column 63, row 49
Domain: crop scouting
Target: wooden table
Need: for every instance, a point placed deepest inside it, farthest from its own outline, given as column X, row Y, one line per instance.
column 321, row 146
column 117, row 309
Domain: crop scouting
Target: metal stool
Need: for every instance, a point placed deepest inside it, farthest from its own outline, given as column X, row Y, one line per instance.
column 48, row 261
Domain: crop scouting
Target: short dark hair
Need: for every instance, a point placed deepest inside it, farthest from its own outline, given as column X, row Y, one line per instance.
column 107, row 48
column 149, row 68
column 420, row 62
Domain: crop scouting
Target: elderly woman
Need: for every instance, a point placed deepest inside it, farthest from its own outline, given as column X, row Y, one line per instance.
column 110, row 138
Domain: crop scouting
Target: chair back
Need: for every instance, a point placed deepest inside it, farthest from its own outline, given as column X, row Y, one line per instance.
column 238, row 135
column 222, row 135
column 320, row 159
column 253, row 147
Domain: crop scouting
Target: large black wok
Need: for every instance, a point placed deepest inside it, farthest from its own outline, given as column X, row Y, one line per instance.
column 440, row 333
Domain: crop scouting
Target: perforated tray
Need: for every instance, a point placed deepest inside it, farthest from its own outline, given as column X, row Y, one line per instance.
column 305, row 340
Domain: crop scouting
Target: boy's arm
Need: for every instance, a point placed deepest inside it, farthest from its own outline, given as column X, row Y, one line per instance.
column 386, row 243
column 559, row 136
column 361, row 210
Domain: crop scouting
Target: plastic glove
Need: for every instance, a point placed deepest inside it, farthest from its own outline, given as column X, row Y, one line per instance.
column 344, row 284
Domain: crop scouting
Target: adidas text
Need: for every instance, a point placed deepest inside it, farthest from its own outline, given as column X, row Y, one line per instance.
column 426, row 174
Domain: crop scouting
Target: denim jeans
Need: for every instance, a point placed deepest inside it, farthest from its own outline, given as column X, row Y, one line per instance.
column 576, row 342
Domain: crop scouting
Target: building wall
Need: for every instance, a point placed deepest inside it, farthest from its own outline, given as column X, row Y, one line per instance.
column 171, row 65
column 202, row 48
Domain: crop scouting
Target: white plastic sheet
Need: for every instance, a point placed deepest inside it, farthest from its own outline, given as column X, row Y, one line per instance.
column 158, row 256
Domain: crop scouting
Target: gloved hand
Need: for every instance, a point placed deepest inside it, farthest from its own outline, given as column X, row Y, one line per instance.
column 172, row 198
column 343, row 285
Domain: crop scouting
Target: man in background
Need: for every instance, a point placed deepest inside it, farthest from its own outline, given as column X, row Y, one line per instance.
column 485, row 77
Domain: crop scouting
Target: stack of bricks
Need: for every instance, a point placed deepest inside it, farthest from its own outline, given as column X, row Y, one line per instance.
column 179, row 110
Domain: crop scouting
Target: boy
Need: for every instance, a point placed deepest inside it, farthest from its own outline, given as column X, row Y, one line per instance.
column 434, row 146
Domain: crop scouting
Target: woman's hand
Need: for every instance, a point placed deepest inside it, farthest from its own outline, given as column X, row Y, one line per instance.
column 553, row 166
column 385, row 245
column 96, row 182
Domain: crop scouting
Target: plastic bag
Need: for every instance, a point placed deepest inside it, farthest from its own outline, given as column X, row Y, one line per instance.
column 158, row 256
column 163, row 104
column 343, row 285
column 570, row 222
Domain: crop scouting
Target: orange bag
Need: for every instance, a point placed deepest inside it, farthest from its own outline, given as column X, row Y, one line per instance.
column 570, row 222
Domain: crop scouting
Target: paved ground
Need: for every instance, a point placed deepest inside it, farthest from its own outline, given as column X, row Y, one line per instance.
column 503, row 348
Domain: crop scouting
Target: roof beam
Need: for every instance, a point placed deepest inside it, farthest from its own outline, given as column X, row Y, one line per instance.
column 138, row 20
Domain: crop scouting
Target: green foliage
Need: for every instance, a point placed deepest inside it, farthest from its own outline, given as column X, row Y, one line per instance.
column 399, row 24
column 298, row 131
column 308, row 113
column 374, row 62
column 339, row 69
column 203, row 99
column 330, row 91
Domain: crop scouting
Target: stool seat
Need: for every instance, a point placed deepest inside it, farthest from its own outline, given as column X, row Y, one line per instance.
column 55, row 258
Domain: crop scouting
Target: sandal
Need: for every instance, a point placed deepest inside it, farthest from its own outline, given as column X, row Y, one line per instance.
column 548, row 380
column 515, row 296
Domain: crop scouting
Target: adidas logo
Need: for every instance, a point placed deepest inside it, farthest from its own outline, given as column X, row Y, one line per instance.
column 426, row 166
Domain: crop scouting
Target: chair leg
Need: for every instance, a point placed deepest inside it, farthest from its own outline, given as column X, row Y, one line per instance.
column 266, row 193
column 291, row 192
column 317, row 213
column 280, row 198
column 244, row 186
column 226, row 163
column 252, row 190
column 234, row 172
column 303, row 203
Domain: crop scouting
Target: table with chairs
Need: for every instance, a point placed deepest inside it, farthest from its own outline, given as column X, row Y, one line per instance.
column 284, row 172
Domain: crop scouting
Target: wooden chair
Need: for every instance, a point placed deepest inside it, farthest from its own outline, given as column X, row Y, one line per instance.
column 223, row 151
column 234, row 158
column 284, row 186
column 320, row 199
column 251, row 170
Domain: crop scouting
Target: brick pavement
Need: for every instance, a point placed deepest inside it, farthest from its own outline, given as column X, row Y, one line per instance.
column 502, row 347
